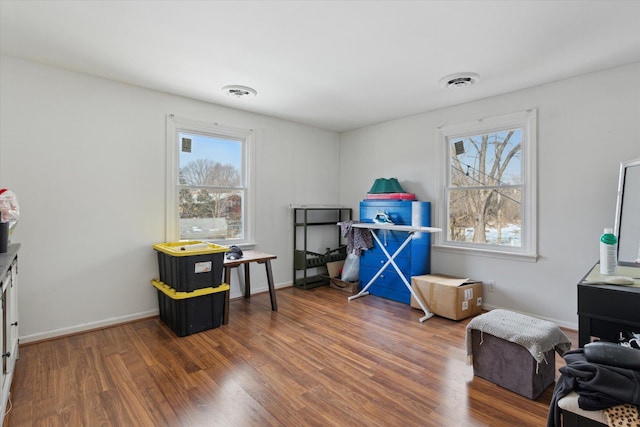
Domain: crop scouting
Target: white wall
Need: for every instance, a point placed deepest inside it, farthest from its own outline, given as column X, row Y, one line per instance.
column 86, row 158
column 586, row 127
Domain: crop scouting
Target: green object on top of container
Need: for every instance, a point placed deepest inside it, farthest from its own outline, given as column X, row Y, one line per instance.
column 386, row 185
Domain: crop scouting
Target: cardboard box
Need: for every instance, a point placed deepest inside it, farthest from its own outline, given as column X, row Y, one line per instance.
column 446, row 296
column 334, row 281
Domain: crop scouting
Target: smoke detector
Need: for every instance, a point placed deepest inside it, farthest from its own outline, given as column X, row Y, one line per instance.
column 459, row 80
column 240, row 92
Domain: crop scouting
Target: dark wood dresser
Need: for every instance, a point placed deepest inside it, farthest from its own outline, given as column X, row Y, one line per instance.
column 606, row 310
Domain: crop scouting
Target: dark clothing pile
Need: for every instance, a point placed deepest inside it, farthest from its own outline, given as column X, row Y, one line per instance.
column 598, row 386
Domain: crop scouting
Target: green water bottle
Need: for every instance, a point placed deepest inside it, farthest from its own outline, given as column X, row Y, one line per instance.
column 608, row 252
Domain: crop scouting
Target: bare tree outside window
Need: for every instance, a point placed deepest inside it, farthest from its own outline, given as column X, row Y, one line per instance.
column 489, row 191
column 485, row 188
column 211, row 191
column 209, row 202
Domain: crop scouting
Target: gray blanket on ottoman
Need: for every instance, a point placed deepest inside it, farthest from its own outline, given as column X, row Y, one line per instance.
column 536, row 335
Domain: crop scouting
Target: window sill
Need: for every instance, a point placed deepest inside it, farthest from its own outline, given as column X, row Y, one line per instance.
column 487, row 253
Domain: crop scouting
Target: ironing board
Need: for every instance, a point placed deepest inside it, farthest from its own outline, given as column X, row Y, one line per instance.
column 372, row 226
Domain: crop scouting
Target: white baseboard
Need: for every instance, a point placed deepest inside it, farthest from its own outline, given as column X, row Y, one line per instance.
column 41, row 336
column 86, row 327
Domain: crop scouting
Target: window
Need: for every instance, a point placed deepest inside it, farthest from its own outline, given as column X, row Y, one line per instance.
column 209, row 191
column 489, row 198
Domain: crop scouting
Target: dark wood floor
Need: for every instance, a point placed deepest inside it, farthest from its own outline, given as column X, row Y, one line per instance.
column 319, row 361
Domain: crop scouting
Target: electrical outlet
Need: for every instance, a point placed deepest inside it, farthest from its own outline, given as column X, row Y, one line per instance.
column 491, row 285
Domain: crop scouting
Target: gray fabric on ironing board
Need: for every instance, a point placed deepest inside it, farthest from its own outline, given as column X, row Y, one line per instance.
column 357, row 238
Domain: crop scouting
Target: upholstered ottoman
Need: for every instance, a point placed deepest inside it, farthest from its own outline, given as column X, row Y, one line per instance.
column 515, row 351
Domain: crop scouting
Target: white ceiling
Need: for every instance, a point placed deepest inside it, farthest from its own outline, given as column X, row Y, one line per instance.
column 337, row 65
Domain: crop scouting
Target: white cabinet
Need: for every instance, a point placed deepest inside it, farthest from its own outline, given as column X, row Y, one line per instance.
column 8, row 320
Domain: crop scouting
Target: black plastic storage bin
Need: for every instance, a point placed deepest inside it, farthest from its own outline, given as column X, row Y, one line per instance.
column 188, row 313
column 187, row 266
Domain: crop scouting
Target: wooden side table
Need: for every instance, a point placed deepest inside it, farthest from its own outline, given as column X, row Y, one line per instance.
column 248, row 257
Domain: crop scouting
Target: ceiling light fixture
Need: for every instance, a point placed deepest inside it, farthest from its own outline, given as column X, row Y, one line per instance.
column 459, row 80
column 240, row 92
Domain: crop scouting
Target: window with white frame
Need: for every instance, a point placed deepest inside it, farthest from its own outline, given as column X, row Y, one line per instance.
column 489, row 191
column 209, row 185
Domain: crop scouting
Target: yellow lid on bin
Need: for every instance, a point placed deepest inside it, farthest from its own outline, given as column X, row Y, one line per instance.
column 173, row 294
column 189, row 248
